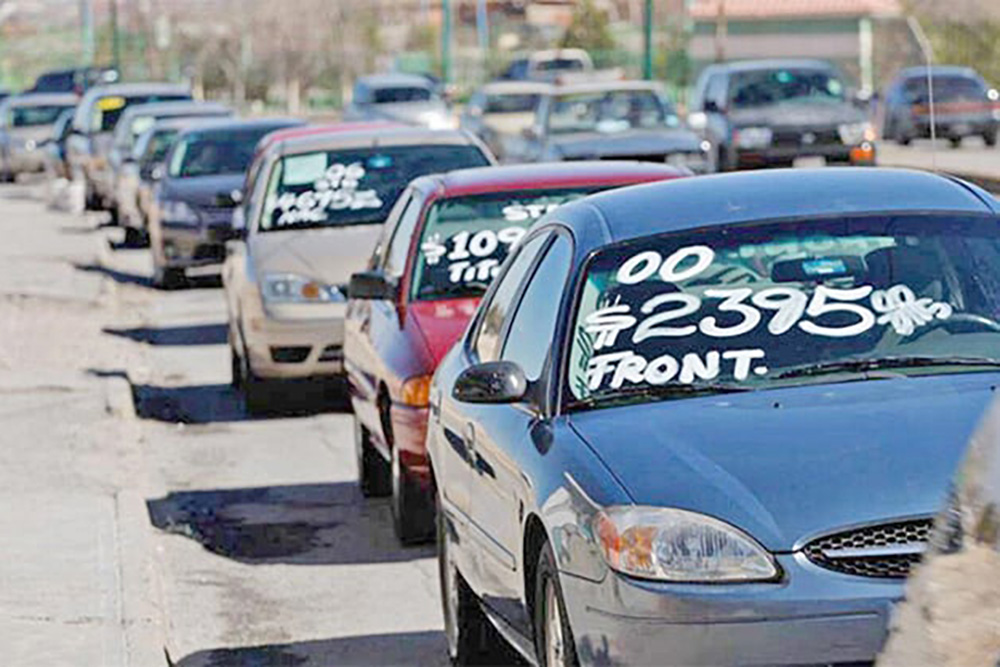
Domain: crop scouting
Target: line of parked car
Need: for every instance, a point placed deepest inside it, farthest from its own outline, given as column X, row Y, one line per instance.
column 650, row 416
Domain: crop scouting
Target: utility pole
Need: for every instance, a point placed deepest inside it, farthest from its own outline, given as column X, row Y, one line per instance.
column 647, row 41
column 446, row 41
column 116, row 47
column 87, row 30
column 721, row 32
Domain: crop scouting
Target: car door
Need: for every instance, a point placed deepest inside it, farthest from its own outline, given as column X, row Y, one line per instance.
column 508, row 438
column 369, row 321
column 715, row 107
column 457, row 428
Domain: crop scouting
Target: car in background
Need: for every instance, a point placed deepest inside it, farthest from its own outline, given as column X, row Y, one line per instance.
column 76, row 80
column 547, row 65
column 613, row 120
column 499, row 112
column 438, row 253
column 97, row 114
column 314, row 215
column 139, row 175
column 773, row 113
column 403, row 98
column 133, row 122
column 649, row 443
column 964, row 105
column 55, row 147
column 26, row 123
column 191, row 217
column 951, row 612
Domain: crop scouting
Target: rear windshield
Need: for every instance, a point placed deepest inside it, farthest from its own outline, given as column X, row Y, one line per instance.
column 946, row 89
column 466, row 239
column 215, row 152
column 107, row 110
column 39, row 115
column 516, row 103
column 356, row 186
column 400, row 94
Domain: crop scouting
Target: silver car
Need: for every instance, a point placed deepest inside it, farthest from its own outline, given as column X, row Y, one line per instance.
column 26, row 123
column 404, row 98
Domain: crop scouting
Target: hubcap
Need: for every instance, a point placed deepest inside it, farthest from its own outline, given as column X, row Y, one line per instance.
column 555, row 648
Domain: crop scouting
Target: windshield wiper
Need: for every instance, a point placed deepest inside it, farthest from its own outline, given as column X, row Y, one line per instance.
column 884, row 363
column 669, row 390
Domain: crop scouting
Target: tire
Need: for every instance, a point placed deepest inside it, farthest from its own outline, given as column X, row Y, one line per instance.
column 554, row 645
column 257, row 398
column 470, row 637
column 903, row 140
column 956, row 142
column 412, row 507
column 135, row 238
column 169, row 277
column 374, row 475
column 990, row 137
column 235, row 368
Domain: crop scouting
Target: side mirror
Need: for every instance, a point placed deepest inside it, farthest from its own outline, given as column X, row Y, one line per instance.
column 157, row 173
column 492, row 382
column 711, row 106
column 371, row 285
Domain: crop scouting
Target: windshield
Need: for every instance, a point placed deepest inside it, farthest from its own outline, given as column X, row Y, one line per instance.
column 466, row 239
column 401, row 94
column 215, row 152
column 107, row 110
column 154, row 148
column 356, row 186
column 512, row 103
column 759, row 88
column 610, row 111
column 745, row 307
column 36, row 115
column 946, row 89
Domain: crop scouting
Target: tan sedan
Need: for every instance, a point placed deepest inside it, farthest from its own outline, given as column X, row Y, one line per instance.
column 314, row 216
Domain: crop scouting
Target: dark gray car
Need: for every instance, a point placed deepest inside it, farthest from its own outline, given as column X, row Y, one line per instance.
column 191, row 218
column 620, row 120
column 769, row 113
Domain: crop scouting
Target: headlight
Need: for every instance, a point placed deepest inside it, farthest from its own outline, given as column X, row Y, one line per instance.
column 854, row 133
column 680, row 546
column 416, row 391
column 289, row 288
column 753, row 137
column 178, row 212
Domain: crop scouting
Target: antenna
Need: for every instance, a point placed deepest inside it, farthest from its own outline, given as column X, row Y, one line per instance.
column 928, row 51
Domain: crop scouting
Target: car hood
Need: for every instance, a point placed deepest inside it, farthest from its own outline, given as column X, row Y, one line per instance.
column 203, row 191
column 584, row 145
column 330, row 255
column 790, row 114
column 441, row 323
column 508, row 123
column 412, row 113
column 36, row 133
column 786, row 465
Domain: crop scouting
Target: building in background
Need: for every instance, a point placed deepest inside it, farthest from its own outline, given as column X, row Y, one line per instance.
column 867, row 39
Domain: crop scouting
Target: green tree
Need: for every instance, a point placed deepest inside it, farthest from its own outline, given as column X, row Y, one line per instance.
column 589, row 30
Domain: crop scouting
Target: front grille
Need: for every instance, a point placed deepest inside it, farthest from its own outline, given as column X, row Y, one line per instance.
column 884, row 551
column 332, row 353
column 642, row 157
column 290, row 355
column 795, row 137
column 216, row 215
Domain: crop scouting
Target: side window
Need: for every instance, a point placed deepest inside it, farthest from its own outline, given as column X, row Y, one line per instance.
column 270, row 193
column 399, row 244
column 716, row 91
column 487, row 340
column 532, row 330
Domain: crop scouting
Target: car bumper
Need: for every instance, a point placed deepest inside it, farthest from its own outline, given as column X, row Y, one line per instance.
column 813, row 617
column 781, row 155
column 409, row 433
column 23, row 161
column 283, row 344
column 189, row 246
column 955, row 127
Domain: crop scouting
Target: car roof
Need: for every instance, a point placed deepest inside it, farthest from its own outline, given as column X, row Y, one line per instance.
column 601, row 86
column 326, row 128
column 938, row 70
column 394, row 79
column 481, row 180
column 752, row 196
column 42, row 99
column 180, row 122
column 227, row 124
column 176, row 107
column 398, row 136
column 132, row 89
column 771, row 63
column 515, row 87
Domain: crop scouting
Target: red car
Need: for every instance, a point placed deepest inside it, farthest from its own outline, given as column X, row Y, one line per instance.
column 440, row 247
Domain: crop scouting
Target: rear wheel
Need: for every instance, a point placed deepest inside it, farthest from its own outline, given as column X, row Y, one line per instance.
column 373, row 472
column 956, row 142
column 990, row 137
column 412, row 509
column 257, row 398
column 135, row 238
column 471, row 638
column 554, row 644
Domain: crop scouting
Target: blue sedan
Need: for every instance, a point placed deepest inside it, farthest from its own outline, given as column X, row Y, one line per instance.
column 708, row 422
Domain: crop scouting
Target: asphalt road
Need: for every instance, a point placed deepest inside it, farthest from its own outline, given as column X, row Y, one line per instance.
column 145, row 512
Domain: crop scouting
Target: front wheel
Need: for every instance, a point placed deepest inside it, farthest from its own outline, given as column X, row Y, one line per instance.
column 554, row 644
column 373, row 471
column 412, row 509
column 990, row 137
